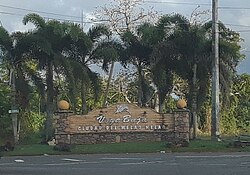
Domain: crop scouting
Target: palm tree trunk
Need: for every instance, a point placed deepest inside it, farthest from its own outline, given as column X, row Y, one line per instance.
column 104, row 103
column 194, row 101
column 161, row 102
column 140, row 92
column 50, row 101
column 156, row 102
column 83, row 96
column 160, row 108
column 13, row 106
column 72, row 97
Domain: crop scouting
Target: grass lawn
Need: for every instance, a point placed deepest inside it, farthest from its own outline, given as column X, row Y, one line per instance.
column 38, row 149
column 203, row 145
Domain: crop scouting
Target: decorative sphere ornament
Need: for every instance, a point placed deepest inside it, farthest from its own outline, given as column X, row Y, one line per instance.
column 63, row 105
column 181, row 104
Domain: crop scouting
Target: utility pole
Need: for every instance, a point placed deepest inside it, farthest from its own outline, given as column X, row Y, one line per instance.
column 215, row 125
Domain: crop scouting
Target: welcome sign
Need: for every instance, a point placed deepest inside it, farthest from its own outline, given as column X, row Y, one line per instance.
column 121, row 123
column 119, row 118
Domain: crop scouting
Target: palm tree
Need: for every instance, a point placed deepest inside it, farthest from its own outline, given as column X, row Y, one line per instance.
column 7, row 47
column 165, row 53
column 137, row 52
column 44, row 50
column 107, row 51
column 188, row 47
column 16, row 54
column 90, row 48
column 55, row 46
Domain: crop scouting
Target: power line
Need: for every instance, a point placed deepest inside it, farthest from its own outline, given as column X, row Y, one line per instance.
column 177, row 3
column 146, row 1
column 38, row 11
column 237, row 25
column 79, row 21
column 234, row 8
column 241, row 31
column 89, row 22
column 51, row 18
column 9, row 13
column 197, row 4
column 48, row 13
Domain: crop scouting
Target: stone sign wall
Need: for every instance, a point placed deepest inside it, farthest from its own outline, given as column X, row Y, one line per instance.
column 121, row 123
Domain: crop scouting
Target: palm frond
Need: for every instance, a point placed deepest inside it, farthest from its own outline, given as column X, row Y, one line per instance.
column 95, row 83
column 35, row 19
column 107, row 52
column 95, row 32
column 5, row 39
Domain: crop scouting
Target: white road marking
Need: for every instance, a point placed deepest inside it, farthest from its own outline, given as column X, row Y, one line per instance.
column 172, row 164
column 245, row 164
column 52, row 164
column 59, row 164
column 137, row 163
column 70, row 163
column 72, row 160
column 211, row 164
column 213, row 156
column 19, row 161
column 142, row 163
column 120, row 158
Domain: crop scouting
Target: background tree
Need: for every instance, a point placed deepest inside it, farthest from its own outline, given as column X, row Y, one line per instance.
column 125, row 16
column 5, row 101
column 235, row 119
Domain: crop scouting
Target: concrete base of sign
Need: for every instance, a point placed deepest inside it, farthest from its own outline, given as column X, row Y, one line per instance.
column 121, row 137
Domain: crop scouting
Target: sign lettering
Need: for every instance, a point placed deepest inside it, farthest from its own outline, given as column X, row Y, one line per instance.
column 125, row 119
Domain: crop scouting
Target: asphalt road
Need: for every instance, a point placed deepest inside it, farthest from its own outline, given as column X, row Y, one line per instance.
column 129, row 164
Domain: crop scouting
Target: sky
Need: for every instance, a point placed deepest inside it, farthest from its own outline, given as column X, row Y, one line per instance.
column 234, row 13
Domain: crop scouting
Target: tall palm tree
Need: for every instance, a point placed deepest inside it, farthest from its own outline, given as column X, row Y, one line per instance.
column 44, row 50
column 188, row 47
column 165, row 53
column 137, row 52
column 108, row 51
column 54, row 45
column 8, row 49
column 16, row 53
column 87, row 49
column 63, row 48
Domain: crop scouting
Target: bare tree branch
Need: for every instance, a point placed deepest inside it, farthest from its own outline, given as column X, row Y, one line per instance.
column 122, row 15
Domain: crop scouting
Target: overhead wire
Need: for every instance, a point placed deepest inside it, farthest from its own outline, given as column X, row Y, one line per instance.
column 197, row 4
column 38, row 11
column 234, row 8
column 9, row 13
column 236, row 25
column 146, row 1
column 177, row 3
column 52, row 18
column 77, row 20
